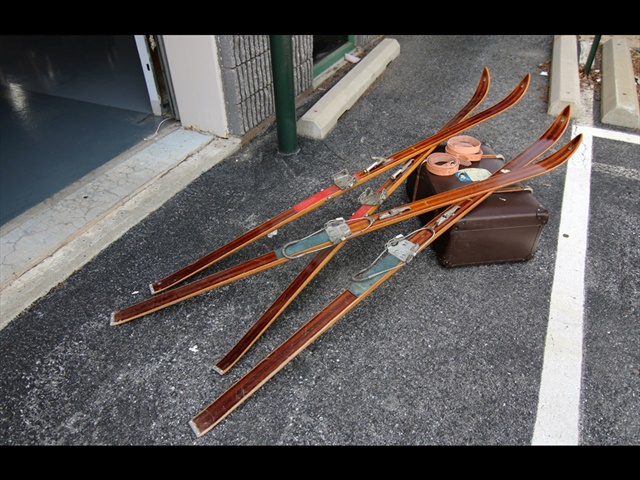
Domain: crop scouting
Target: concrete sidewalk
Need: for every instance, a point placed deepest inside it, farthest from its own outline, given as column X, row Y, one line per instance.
column 46, row 244
column 49, row 242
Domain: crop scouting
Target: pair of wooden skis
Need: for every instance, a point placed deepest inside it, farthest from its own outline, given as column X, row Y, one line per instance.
column 326, row 243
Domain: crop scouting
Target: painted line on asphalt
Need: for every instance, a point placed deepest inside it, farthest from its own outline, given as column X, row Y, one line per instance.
column 557, row 419
column 558, row 415
column 616, row 170
column 608, row 134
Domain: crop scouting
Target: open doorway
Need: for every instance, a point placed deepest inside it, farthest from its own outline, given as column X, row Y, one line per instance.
column 69, row 104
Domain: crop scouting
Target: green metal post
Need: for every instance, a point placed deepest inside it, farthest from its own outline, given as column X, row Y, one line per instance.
column 592, row 54
column 284, row 90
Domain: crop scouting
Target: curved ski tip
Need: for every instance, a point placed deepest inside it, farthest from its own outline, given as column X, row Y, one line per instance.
column 576, row 140
column 566, row 112
column 195, row 428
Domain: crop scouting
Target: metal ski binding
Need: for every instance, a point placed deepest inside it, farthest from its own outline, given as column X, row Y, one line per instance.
column 343, row 180
column 337, row 230
column 450, row 212
column 402, row 249
column 402, row 169
column 369, row 197
column 393, row 212
column 378, row 161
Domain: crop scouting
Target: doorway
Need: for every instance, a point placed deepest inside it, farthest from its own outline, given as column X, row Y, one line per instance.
column 68, row 104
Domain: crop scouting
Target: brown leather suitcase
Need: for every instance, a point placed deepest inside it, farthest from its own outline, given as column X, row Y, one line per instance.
column 506, row 227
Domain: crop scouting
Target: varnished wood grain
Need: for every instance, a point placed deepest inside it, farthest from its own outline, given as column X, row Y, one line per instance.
column 362, row 176
column 272, row 313
column 272, row 364
column 180, row 294
column 419, row 207
column 227, row 249
column 324, row 256
column 449, row 197
column 261, row 373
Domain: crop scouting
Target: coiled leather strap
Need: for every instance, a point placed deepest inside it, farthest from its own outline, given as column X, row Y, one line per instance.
column 442, row 164
column 465, row 148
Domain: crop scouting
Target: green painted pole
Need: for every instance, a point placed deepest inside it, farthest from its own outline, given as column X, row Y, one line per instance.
column 284, row 90
column 592, row 54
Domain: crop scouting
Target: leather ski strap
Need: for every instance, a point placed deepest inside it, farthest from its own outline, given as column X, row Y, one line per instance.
column 442, row 164
column 465, row 148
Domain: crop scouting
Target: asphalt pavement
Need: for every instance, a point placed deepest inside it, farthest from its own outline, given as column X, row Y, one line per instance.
column 436, row 356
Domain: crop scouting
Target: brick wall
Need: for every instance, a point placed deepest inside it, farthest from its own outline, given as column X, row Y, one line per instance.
column 245, row 61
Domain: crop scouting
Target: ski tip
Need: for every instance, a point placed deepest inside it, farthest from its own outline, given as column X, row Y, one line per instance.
column 575, row 142
column 112, row 319
column 195, row 428
column 219, row 370
column 152, row 290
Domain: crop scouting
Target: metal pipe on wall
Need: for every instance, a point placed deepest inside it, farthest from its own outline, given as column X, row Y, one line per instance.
column 284, row 91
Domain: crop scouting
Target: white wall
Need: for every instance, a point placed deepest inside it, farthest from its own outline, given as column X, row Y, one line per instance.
column 197, row 83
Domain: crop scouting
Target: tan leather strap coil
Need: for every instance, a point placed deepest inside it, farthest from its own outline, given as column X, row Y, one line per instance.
column 465, row 148
column 442, row 164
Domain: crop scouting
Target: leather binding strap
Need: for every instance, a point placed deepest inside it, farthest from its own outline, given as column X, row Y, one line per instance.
column 465, row 148
column 442, row 164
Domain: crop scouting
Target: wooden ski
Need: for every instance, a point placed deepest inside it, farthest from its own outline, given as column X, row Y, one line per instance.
column 363, row 284
column 357, row 227
column 343, row 182
column 555, row 131
column 324, row 256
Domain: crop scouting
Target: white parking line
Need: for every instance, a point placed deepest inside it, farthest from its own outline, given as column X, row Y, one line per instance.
column 559, row 398
column 558, row 416
column 609, row 134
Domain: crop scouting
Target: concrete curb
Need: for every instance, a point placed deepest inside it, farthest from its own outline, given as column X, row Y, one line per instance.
column 619, row 99
column 565, row 76
column 318, row 122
